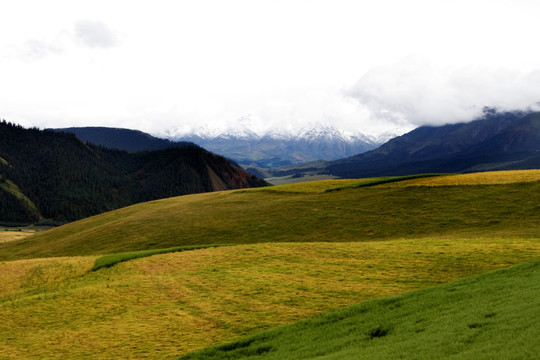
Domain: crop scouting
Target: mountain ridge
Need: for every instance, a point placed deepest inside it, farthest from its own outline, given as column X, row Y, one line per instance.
column 66, row 179
column 260, row 149
column 308, row 131
column 121, row 139
column 497, row 141
column 278, row 147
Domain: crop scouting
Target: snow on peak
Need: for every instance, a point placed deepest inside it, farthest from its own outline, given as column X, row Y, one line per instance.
column 252, row 128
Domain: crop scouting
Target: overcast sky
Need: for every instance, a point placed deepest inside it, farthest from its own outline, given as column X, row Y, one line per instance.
column 368, row 66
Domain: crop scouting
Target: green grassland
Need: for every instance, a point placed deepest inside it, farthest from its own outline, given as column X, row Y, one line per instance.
column 300, row 250
column 292, row 213
column 14, row 190
column 491, row 316
column 7, row 235
column 483, row 178
column 113, row 259
column 166, row 305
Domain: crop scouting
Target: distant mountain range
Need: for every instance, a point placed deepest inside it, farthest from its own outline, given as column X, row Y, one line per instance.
column 497, row 141
column 249, row 148
column 278, row 148
column 56, row 176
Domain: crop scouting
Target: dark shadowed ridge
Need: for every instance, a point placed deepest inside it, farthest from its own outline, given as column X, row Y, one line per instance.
column 498, row 141
column 122, row 139
column 55, row 175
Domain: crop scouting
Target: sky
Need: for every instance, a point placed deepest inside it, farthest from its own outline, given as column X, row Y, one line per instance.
column 165, row 67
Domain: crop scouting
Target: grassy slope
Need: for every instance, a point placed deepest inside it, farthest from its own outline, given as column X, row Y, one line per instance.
column 10, row 235
column 166, row 305
column 483, row 178
column 111, row 260
column 491, row 316
column 296, row 213
column 14, row 190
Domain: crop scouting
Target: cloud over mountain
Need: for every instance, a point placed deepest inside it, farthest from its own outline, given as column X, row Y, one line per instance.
column 188, row 63
column 423, row 93
column 85, row 33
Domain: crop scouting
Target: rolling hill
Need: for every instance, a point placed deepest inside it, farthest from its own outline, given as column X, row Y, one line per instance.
column 467, row 319
column 166, row 305
column 346, row 210
column 52, row 175
column 302, row 250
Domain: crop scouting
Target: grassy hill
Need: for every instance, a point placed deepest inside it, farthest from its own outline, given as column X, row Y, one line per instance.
column 20, row 209
column 301, row 250
column 491, row 316
column 306, row 212
column 166, row 305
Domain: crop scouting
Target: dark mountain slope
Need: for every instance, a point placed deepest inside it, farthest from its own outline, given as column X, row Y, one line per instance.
column 122, row 139
column 270, row 150
column 66, row 179
column 498, row 141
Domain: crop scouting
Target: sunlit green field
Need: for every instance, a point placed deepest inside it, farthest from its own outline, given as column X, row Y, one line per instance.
column 484, row 178
column 166, row 305
column 8, row 235
column 300, row 213
column 294, row 251
column 491, row 316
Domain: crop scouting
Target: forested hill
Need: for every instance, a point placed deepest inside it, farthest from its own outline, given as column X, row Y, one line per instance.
column 56, row 176
column 122, row 139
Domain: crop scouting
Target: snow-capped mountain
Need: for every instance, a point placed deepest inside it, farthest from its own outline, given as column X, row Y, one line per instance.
column 251, row 146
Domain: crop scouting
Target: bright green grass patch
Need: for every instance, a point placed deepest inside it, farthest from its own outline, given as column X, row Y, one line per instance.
column 166, row 305
column 10, row 187
column 491, row 316
column 113, row 259
column 11, row 235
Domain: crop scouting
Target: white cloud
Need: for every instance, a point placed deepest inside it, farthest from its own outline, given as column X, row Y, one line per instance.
column 34, row 49
column 168, row 64
column 95, row 34
column 86, row 33
column 420, row 92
